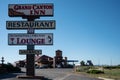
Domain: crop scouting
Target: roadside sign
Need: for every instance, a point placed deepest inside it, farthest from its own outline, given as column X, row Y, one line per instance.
column 18, row 10
column 30, row 39
column 22, row 52
column 43, row 24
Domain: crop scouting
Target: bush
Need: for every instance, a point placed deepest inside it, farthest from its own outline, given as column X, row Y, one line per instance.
column 69, row 66
column 82, row 68
column 11, row 68
column 16, row 69
column 112, row 67
column 3, row 70
column 95, row 72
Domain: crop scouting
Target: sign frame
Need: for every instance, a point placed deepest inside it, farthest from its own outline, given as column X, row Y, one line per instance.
column 22, row 52
column 20, row 10
column 29, row 39
column 40, row 24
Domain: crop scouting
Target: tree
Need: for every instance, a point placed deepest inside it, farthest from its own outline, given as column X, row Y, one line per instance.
column 82, row 63
column 89, row 63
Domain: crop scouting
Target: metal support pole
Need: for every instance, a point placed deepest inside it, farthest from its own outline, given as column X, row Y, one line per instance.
column 30, row 71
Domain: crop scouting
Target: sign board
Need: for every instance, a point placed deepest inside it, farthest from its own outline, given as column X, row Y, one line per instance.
column 30, row 39
column 18, row 10
column 30, row 52
column 43, row 24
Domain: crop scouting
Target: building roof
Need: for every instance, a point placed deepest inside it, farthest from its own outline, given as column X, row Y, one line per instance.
column 72, row 60
column 45, row 57
column 37, row 58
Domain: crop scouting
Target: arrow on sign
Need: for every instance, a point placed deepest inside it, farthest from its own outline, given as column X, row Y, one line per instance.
column 49, row 39
column 30, row 39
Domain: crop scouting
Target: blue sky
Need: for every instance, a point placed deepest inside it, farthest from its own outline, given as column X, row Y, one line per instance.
column 85, row 30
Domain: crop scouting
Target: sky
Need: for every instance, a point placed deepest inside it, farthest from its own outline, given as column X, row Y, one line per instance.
column 85, row 30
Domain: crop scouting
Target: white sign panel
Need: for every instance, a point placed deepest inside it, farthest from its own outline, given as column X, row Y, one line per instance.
column 43, row 24
column 30, row 10
column 30, row 52
column 30, row 39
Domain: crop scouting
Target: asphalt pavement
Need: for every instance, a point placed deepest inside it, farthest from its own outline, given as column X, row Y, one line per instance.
column 49, row 74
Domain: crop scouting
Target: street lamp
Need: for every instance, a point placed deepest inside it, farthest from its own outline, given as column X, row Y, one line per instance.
column 2, row 61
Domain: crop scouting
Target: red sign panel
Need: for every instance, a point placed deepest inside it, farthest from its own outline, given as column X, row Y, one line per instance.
column 30, row 10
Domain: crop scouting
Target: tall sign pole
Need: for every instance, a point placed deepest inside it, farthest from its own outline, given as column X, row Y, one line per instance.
column 30, row 70
column 30, row 12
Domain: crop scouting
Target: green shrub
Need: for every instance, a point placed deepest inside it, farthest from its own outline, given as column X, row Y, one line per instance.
column 11, row 68
column 16, row 69
column 95, row 72
column 112, row 67
column 3, row 70
column 82, row 68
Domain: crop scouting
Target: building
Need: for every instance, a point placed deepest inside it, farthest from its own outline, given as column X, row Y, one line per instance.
column 44, row 61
